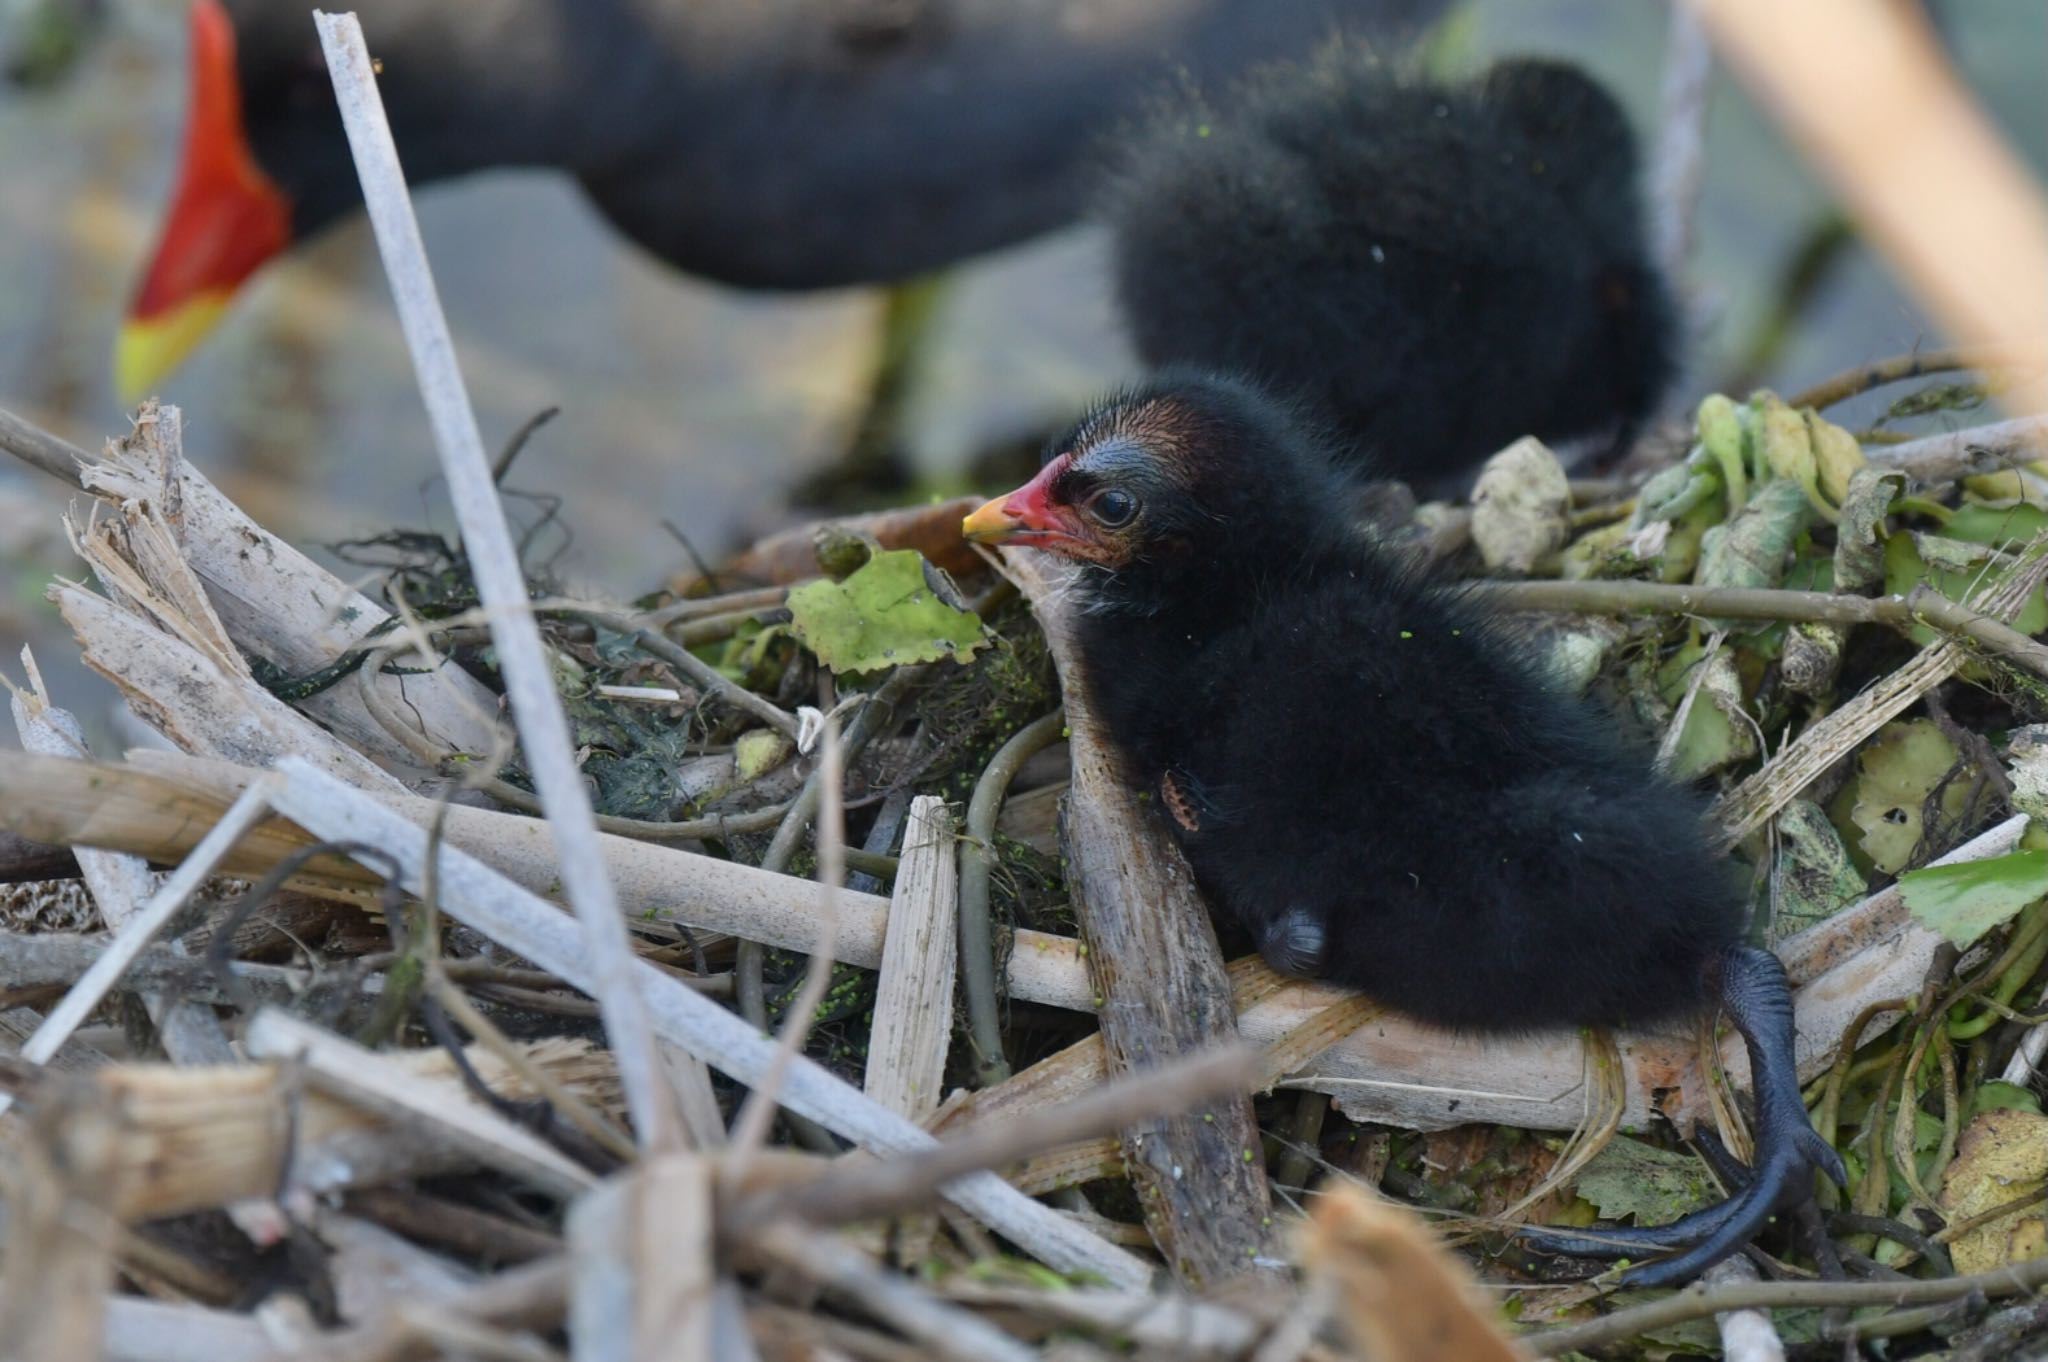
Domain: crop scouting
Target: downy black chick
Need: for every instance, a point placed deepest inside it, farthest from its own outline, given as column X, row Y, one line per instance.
column 1371, row 784
column 1439, row 269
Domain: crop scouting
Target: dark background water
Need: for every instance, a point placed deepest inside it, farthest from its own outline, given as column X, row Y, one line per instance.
column 691, row 403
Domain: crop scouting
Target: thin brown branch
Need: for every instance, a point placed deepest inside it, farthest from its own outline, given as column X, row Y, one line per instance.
column 1698, row 1302
column 704, row 607
column 42, row 959
column 535, row 1295
column 856, row 1193
column 1881, row 373
column 791, row 555
column 702, row 673
column 716, row 628
column 715, row 826
column 38, row 448
column 1957, row 1229
column 944, row 1329
column 1922, row 606
column 559, row 1095
column 1967, row 453
column 453, row 1225
column 977, row 941
column 502, row 465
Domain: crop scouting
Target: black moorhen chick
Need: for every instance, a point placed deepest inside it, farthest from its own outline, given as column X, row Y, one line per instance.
column 765, row 143
column 1369, row 782
column 1439, row 269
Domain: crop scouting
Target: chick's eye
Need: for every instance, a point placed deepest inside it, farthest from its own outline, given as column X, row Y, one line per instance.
column 1113, row 509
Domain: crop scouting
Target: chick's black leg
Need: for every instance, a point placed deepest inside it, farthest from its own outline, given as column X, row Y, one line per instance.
column 1756, row 997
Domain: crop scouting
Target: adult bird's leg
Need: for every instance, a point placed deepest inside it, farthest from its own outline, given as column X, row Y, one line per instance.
column 1753, row 991
column 873, row 461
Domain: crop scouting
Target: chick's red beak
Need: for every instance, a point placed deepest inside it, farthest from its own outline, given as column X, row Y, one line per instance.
column 227, row 217
column 1028, row 515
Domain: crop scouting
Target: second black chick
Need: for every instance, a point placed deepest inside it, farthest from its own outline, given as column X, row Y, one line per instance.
column 1440, row 270
column 1369, row 782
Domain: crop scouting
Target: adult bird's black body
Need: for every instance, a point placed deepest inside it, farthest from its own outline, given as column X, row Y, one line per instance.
column 765, row 143
column 1439, row 269
column 1371, row 784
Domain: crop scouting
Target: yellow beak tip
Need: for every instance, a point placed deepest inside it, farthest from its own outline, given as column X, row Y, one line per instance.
column 130, row 392
column 149, row 348
column 988, row 524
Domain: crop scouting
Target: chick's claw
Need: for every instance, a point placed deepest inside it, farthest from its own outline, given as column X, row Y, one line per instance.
column 1757, row 998
column 1782, row 1180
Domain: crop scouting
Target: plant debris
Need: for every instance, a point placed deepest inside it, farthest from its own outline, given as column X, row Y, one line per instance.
column 350, row 1078
column 669, row 757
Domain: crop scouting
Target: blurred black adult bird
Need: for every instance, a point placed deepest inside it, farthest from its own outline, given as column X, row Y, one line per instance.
column 1439, row 269
column 1369, row 782
column 788, row 144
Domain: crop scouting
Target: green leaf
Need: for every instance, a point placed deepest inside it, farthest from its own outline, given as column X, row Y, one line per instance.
column 1998, row 526
column 1700, row 1337
column 748, row 656
column 1957, row 567
column 1859, row 538
column 1788, row 446
column 1898, row 770
column 1715, row 735
column 1723, row 440
column 1668, row 485
column 1630, row 1178
column 1966, row 900
column 757, row 752
column 1810, row 572
column 2002, row 1156
column 1752, row 548
column 897, row 609
column 1816, row 877
column 1837, row 456
column 1998, row 1095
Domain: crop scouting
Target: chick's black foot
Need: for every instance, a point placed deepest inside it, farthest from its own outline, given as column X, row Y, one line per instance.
column 1789, row 1151
column 1732, row 1172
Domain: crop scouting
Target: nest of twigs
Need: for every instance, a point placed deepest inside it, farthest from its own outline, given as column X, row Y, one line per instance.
column 433, row 1096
